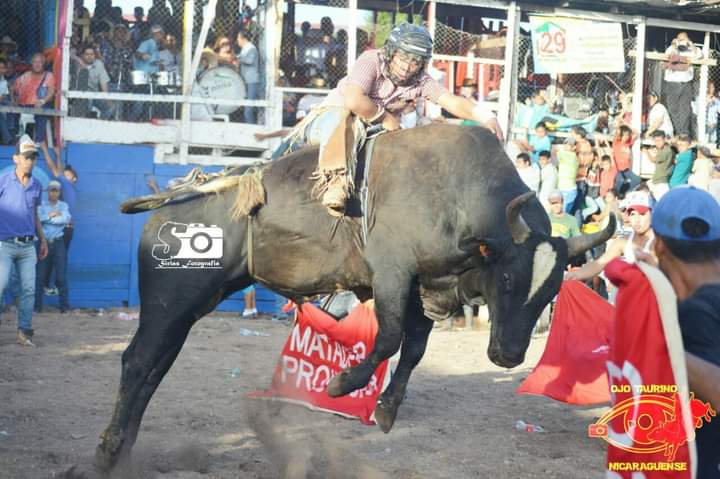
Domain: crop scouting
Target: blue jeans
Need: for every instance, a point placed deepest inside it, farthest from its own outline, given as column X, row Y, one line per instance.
column 317, row 132
column 569, row 199
column 24, row 257
column 107, row 110
column 55, row 260
column 280, row 301
column 252, row 94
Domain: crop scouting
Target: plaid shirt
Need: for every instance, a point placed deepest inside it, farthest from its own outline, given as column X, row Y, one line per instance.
column 118, row 63
column 368, row 74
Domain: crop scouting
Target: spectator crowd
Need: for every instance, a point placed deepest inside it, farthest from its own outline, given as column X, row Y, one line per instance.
column 587, row 175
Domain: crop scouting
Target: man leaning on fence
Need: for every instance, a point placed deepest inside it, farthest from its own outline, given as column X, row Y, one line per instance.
column 19, row 201
column 36, row 89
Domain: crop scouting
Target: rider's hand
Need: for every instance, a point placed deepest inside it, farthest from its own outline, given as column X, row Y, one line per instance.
column 494, row 126
column 391, row 122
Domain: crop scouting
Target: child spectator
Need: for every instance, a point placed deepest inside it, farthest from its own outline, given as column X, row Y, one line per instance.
column 607, row 175
column 622, row 154
column 664, row 160
column 528, row 172
column 536, row 143
column 548, row 177
column 593, row 177
column 683, row 162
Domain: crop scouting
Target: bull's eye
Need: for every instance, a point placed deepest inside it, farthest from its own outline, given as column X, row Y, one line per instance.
column 507, row 282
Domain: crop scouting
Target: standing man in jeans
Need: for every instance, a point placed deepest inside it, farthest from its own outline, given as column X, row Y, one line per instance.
column 19, row 201
column 54, row 216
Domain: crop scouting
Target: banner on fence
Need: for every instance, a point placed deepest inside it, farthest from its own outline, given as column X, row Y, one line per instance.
column 566, row 45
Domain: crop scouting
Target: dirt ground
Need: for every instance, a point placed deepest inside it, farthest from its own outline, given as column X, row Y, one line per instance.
column 458, row 420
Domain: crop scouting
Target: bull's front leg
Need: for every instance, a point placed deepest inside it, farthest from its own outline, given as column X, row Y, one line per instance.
column 391, row 291
column 417, row 330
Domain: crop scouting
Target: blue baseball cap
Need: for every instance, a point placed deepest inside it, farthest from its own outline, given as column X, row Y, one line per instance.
column 684, row 203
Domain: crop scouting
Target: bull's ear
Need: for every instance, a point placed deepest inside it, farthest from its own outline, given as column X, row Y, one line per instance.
column 485, row 247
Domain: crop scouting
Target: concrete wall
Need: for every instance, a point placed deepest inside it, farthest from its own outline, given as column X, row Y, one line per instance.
column 102, row 269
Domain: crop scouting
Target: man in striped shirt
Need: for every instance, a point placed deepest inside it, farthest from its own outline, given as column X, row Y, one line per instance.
column 378, row 88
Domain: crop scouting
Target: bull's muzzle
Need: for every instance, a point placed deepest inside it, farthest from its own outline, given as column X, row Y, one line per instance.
column 504, row 359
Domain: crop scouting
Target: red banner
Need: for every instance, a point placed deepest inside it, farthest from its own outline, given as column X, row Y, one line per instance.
column 650, row 428
column 318, row 348
column 572, row 368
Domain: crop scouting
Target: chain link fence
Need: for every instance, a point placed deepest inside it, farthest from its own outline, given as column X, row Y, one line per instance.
column 470, row 64
column 28, row 68
column 712, row 98
column 142, row 52
column 593, row 100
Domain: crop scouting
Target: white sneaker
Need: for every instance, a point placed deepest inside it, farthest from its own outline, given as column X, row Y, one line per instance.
column 249, row 313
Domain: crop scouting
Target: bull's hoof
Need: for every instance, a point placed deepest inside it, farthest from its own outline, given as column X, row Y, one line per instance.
column 337, row 385
column 385, row 414
column 84, row 471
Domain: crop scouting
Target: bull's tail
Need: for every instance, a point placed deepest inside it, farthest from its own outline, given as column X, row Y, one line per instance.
column 250, row 194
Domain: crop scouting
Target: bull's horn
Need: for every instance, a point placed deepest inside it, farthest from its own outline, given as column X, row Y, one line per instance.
column 519, row 230
column 579, row 244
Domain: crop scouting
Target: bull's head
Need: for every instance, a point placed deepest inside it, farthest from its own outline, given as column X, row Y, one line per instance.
column 518, row 277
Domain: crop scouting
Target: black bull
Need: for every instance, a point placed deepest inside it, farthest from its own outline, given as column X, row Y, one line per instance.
column 444, row 225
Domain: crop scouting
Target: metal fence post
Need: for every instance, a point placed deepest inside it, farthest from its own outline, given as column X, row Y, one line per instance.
column 352, row 33
column 702, row 93
column 508, row 84
column 188, row 23
column 65, row 75
column 637, row 103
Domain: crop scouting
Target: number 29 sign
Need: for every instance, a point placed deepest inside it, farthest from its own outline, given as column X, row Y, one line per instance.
column 565, row 45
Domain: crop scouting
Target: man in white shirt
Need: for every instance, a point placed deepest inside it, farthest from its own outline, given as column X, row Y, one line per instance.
column 658, row 117
column 529, row 173
column 678, row 84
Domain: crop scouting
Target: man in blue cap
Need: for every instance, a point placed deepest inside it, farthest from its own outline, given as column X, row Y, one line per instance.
column 19, row 201
column 686, row 222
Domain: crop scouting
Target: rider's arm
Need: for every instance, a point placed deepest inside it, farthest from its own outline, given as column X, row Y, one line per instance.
column 594, row 268
column 359, row 103
column 468, row 110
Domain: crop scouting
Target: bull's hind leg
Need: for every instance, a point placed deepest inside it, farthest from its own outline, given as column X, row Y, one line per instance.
column 153, row 350
column 391, row 291
column 417, row 330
